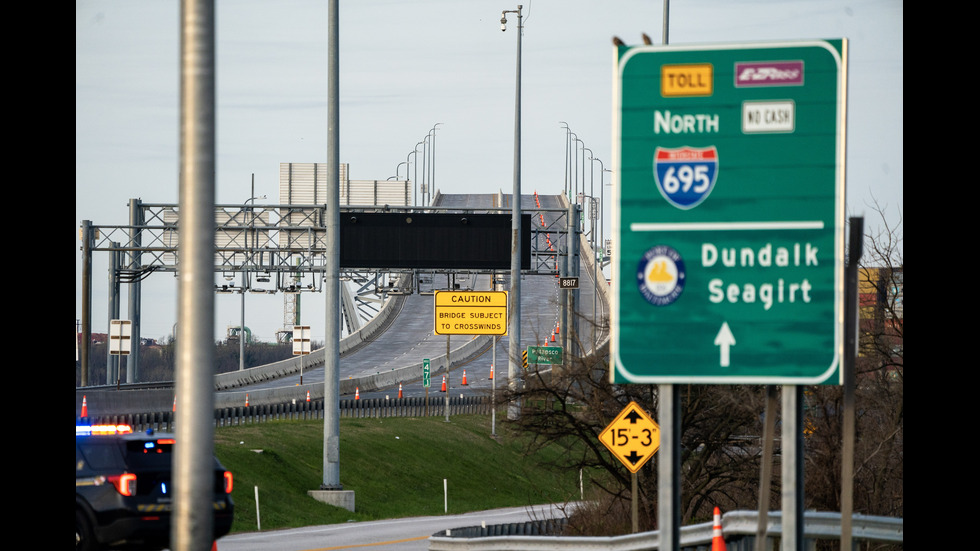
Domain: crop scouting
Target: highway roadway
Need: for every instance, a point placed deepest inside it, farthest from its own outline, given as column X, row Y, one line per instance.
column 411, row 338
column 405, row 534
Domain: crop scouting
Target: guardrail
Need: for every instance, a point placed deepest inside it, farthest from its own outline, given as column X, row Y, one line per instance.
column 370, row 407
column 738, row 529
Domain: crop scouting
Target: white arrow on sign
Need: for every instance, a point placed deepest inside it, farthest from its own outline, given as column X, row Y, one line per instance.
column 725, row 340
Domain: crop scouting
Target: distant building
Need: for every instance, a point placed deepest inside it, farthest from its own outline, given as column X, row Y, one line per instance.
column 881, row 299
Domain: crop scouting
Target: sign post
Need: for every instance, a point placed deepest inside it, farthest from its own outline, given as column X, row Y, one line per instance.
column 633, row 437
column 425, row 383
column 120, row 336
column 302, row 345
column 729, row 214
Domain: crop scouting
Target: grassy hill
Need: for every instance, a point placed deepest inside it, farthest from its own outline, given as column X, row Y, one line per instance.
column 395, row 466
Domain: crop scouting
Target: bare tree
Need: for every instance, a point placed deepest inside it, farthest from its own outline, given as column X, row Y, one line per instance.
column 880, row 419
column 571, row 405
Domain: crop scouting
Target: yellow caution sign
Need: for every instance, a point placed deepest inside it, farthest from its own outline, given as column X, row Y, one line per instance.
column 471, row 313
column 633, row 437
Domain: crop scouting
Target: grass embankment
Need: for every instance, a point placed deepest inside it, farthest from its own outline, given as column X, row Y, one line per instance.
column 395, row 466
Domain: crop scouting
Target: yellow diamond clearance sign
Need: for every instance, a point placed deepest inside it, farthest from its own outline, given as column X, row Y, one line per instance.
column 471, row 313
column 633, row 437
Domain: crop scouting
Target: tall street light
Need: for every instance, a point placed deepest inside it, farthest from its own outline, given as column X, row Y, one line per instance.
column 432, row 164
column 241, row 328
column 602, row 171
column 408, row 166
column 415, row 184
column 568, row 172
column 514, row 344
column 591, row 194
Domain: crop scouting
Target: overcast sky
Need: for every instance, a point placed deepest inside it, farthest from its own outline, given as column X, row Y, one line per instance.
column 405, row 66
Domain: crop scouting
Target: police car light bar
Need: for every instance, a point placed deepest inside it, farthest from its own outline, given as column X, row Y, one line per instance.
column 89, row 430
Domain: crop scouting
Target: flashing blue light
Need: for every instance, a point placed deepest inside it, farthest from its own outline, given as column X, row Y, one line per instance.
column 89, row 430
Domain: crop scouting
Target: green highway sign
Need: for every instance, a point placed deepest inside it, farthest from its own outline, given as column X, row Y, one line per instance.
column 425, row 373
column 544, row 355
column 729, row 213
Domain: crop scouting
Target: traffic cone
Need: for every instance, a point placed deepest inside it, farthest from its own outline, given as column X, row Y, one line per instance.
column 307, row 395
column 552, row 337
column 443, row 384
column 246, row 400
column 400, row 390
column 175, row 402
column 357, row 393
column 84, row 406
column 491, row 372
column 464, row 378
column 717, row 541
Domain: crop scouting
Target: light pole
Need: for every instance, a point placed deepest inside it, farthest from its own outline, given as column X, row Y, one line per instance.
column 602, row 171
column 241, row 328
column 432, row 163
column 415, row 185
column 568, row 172
column 408, row 166
column 591, row 194
column 514, row 344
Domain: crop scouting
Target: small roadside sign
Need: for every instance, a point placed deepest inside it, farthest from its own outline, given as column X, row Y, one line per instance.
column 544, row 355
column 633, row 437
column 568, row 282
column 120, row 335
column 425, row 373
column 301, row 340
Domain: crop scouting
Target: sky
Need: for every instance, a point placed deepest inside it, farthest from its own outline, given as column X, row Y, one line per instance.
column 404, row 67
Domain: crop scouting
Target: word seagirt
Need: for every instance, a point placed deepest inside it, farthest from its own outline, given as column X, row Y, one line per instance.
column 765, row 293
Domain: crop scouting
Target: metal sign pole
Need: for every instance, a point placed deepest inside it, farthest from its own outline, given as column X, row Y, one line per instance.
column 792, row 467
column 448, row 363
column 668, row 468
column 493, row 391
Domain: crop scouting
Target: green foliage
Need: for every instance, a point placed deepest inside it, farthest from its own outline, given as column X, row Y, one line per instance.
column 395, row 466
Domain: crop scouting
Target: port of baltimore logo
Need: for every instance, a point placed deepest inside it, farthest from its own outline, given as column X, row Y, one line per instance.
column 660, row 275
column 685, row 175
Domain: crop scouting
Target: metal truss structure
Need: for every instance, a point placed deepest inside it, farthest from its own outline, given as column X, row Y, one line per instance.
column 281, row 249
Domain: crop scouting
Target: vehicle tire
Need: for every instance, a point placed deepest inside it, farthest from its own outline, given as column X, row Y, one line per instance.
column 84, row 537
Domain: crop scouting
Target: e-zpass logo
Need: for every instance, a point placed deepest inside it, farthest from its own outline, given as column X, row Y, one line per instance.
column 686, row 175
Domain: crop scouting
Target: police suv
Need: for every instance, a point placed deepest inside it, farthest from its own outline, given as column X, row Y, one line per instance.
column 123, row 489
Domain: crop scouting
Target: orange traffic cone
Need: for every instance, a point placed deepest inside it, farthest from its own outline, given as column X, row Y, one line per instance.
column 491, row 372
column 84, row 406
column 175, row 402
column 246, row 400
column 552, row 337
column 400, row 390
column 357, row 393
column 307, row 395
column 717, row 541
column 464, row 378
column 443, row 384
